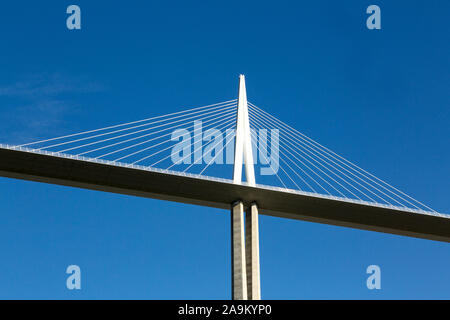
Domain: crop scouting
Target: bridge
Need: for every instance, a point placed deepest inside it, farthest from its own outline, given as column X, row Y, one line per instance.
column 161, row 158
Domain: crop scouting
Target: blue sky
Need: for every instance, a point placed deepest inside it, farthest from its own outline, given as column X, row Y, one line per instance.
column 380, row 98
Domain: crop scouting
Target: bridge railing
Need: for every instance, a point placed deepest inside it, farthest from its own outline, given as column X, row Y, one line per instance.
column 217, row 179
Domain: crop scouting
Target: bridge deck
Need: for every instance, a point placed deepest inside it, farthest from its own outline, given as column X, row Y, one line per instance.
column 220, row 193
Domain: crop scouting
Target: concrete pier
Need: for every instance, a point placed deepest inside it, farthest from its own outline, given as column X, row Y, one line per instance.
column 238, row 264
column 252, row 253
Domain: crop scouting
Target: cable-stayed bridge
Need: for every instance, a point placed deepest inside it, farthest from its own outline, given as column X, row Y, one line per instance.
column 196, row 156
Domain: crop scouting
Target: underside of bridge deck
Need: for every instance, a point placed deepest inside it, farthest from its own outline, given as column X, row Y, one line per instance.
column 219, row 194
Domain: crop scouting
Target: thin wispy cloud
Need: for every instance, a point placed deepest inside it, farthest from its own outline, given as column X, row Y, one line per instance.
column 48, row 85
column 34, row 105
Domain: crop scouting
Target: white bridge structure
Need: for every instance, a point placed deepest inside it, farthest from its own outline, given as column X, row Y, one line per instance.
column 160, row 158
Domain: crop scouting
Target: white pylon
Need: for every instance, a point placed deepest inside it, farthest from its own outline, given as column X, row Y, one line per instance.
column 243, row 142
